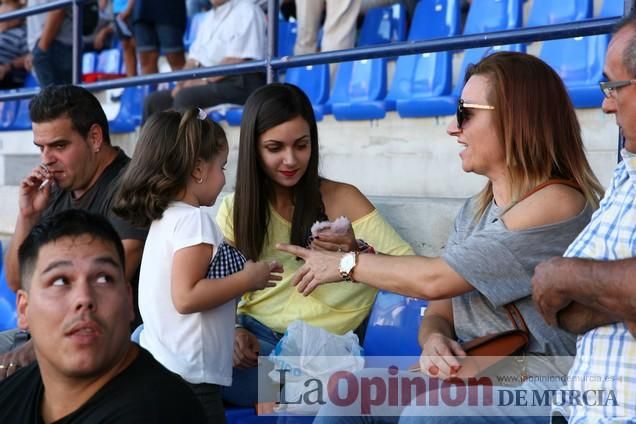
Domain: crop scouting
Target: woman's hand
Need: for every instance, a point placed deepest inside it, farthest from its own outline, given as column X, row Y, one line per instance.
column 335, row 242
column 320, row 267
column 439, row 356
column 246, row 349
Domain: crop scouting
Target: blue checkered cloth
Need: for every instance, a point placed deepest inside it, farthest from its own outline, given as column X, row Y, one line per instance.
column 227, row 261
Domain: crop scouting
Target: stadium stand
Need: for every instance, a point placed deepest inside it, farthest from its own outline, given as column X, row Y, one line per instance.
column 360, row 88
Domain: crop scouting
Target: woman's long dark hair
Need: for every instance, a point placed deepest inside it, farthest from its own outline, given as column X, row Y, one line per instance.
column 266, row 108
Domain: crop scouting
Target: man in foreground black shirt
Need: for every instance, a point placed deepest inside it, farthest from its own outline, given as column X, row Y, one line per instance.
column 77, row 305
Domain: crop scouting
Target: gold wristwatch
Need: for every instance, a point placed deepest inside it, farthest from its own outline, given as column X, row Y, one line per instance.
column 347, row 263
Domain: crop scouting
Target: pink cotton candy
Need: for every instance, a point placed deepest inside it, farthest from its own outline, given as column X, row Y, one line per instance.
column 338, row 226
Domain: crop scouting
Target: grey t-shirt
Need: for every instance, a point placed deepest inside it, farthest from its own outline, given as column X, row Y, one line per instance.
column 499, row 264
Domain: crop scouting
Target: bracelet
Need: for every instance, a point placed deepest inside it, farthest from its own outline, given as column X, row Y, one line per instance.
column 364, row 247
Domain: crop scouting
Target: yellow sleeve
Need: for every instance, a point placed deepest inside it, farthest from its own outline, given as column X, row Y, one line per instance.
column 224, row 217
column 377, row 232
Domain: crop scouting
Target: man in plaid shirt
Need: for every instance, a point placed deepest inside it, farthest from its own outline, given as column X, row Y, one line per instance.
column 592, row 290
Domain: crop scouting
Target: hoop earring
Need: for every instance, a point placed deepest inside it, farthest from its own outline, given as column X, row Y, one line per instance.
column 200, row 180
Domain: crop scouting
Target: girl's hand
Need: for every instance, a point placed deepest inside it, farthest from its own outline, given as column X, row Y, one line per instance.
column 335, row 242
column 439, row 356
column 263, row 274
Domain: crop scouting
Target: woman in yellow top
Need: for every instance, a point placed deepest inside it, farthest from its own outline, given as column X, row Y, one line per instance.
column 279, row 195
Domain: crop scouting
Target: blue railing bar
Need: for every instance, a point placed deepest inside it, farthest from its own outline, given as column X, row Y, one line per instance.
column 589, row 27
column 519, row 35
column 78, row 16
column 34, row 10
column 272, row 39
column 240, row 68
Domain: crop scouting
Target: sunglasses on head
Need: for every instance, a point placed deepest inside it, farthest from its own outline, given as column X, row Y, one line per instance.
column 461, row 110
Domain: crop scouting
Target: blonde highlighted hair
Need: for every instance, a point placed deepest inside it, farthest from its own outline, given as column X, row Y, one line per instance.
column 537, row 125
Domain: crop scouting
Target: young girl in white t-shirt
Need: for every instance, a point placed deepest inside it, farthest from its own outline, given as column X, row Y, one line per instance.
column 177, row 167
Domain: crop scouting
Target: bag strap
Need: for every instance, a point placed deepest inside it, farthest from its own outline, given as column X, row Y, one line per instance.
column 516, row 318
column 544, row 184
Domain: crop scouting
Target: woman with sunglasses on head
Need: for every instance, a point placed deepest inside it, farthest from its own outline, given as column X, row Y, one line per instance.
column 517, row 127
column 279, row 196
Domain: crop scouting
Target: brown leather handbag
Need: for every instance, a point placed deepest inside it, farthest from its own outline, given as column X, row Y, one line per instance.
column 486, row 351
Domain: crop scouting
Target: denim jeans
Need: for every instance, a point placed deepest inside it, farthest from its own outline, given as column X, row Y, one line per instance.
column 244, row 388
column 54, row 66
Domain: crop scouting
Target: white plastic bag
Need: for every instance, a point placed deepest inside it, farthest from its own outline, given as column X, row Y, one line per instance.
column 305, row 353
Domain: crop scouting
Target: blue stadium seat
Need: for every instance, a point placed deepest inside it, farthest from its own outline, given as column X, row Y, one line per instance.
column 579, row 60
column 611, row 8
column 392, row 330
column 89, row 66
column 234, row 115
column 8, row 111
column 286, row 37
column 383, row 25
column 7, row 301
column 130, row 109
column 421, row 84
column 360, row 89
column 579, row 63
column 547, row 12
column 314, row 81
column 493, row 15
column 22, row 120
column 109, row 64
column 191, row 30
column 418, row 82
column 421, row 105
column 14, row 114
column 434, row 19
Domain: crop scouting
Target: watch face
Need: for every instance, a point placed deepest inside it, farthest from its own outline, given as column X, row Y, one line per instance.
column 347, row 262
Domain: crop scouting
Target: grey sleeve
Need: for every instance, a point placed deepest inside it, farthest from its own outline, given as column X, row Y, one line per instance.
column 488, row 265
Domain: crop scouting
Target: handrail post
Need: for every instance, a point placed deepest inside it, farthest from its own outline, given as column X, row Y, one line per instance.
column 77, row 41
column 272, row 39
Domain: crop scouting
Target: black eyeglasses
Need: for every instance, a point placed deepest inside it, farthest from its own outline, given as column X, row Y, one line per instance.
column 461, row 113
column 610, row 87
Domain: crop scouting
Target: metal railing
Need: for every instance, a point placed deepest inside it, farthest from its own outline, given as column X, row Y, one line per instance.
column 272, row 63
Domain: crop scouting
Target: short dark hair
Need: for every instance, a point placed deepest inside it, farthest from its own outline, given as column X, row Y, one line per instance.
column 68, row 223
column 76, row 103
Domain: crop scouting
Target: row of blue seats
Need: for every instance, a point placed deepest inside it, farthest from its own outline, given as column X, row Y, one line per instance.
column 422, row 84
